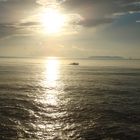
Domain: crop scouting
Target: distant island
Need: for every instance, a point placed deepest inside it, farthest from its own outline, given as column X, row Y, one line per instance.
column 107, row 57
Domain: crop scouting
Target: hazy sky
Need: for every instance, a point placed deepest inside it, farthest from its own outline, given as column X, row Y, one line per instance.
column 92, row 27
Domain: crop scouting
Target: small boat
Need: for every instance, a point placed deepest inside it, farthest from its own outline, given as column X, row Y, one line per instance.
column 74, row 63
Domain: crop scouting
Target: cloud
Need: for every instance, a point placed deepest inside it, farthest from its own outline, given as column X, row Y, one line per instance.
column 7, row 30
column 98, row 12
column 46, row 2
column 18, row 29
column 12, row 15
column 49, row 2
column 16, row 10
column 18, row 3
column 93, row 22
column 25, row 24
column 3, row 0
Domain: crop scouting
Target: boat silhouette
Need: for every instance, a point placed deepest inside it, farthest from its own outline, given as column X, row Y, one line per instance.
column 74, row 63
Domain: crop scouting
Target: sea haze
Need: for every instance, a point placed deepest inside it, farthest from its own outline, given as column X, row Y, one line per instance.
column 45, row 99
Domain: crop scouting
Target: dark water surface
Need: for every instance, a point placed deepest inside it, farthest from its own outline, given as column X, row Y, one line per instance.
column 51, row 100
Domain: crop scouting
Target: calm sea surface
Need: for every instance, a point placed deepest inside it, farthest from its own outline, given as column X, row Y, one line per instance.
column 48, row 99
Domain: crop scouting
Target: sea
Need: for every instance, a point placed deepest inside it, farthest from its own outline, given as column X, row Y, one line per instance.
column 49, row 99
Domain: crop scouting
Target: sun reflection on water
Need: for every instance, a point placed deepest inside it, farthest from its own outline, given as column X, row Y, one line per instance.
column 52, row 70
column 51, row 77
column 50, row 99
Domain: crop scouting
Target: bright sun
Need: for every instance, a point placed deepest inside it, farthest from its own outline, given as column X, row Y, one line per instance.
column 52, row 20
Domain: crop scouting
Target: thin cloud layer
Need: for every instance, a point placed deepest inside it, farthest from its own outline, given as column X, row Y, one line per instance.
column 18, row 29
column 16, row 10
column 97, row 12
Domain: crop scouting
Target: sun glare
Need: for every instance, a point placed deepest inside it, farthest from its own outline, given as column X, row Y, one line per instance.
column 51, row 75
column 52, row 20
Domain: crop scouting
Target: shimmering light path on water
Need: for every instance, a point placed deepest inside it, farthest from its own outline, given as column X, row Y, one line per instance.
column 49, row 99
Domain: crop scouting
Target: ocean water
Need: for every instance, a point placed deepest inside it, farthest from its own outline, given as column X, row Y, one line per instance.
column 48, row 99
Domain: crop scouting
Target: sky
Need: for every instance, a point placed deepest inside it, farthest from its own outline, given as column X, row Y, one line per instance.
column 73, row 28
